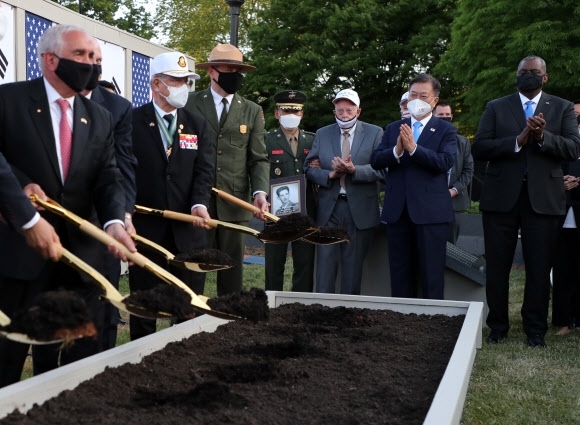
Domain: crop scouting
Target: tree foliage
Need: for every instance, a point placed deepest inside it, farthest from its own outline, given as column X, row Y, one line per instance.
column 133, row 17
column 322, row 46
column 195, row 27
column 489, row 38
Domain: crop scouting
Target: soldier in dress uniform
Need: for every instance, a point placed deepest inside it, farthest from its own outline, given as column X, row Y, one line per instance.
column 287, row 148
column 287, row 207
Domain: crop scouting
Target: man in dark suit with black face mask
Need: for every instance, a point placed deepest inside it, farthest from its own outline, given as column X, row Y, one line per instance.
column 60, row 145
column 236, row 128
column 524, row 137
column 120, row 109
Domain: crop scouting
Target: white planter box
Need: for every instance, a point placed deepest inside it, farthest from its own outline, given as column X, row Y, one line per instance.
column 446, row 408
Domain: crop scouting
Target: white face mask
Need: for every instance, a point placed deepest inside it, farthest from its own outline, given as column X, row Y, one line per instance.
column 418, row 108
column 346, row 124
column 290, row 121
column 177, row 95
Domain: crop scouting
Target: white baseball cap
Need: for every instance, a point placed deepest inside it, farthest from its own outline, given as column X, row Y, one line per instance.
column 404, row 98
column 348, row 94
column 171, row 63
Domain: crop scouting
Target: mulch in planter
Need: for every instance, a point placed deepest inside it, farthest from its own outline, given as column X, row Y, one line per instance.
column 206, row 256
column 58, row 314
column 306, row 365
column 252, row 304
column 164, row 298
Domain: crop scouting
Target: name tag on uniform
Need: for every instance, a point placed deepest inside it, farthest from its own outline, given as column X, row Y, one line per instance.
column 188, row 141
column 279, row 152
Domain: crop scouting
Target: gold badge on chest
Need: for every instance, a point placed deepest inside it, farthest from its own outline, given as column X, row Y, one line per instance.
column 243, row 128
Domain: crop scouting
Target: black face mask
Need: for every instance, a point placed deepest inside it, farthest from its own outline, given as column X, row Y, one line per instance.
column 528, row 82
column 448, row 119
column 229, row 81
column 73, row 74
column 94, row 78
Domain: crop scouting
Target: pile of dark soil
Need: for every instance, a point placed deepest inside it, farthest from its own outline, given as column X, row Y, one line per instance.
column 326, row 234
column 290, row 223
column 54, row 315
column 252, row 304
column 164, row 298
column 307, row 364
column 206, row 256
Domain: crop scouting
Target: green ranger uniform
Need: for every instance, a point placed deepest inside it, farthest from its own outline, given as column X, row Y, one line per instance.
column 283, row 163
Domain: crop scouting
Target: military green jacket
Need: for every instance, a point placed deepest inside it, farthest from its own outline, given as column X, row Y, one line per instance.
column 241, row 162
column 283, row 163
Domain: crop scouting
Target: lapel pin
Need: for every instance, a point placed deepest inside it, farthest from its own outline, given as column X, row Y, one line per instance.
column 547, row 103
column 151, row 124
column 432, row 129
column 38, row 111
column 84, row 121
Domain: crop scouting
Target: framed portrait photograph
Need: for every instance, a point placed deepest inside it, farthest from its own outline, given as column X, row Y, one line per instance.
column 288, row 195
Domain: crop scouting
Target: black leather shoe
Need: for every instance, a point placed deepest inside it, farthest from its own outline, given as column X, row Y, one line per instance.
column 495, row 336
column 536, row 341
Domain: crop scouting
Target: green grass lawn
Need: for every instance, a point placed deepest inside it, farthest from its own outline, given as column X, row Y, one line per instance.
column 510, row 384
column 513, row 384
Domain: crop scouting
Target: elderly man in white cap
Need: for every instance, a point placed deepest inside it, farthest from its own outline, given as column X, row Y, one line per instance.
column 175, row 172
column 236, row 127
column 403, row 106
column 348, row 195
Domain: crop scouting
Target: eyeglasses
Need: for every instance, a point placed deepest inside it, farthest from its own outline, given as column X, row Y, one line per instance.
column 342, row 111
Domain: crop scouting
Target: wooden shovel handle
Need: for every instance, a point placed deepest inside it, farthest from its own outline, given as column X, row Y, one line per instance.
column 243, row 204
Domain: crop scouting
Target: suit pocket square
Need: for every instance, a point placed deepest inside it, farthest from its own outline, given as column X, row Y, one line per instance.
column 188, row 141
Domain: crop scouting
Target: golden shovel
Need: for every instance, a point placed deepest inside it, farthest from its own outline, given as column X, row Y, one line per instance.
column 190, row 265
column 111, row 294
column 139, row 259
column 274, row 237
column 315, row 237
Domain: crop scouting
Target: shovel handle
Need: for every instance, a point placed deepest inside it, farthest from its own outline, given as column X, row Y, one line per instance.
column 188, row 218
column 243, row 204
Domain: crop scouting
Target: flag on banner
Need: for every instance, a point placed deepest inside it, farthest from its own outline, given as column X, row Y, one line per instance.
column 35, row 27
column 140, row 77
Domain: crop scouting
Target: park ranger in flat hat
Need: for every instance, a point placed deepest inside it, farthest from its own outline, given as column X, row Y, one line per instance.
column 287, row 149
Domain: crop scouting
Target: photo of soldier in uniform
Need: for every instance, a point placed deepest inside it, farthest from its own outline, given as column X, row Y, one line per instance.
column 283, row 204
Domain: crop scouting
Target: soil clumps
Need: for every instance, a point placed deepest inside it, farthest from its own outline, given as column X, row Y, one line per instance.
column 307, row 364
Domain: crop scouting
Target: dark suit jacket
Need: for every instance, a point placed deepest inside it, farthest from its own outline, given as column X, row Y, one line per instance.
column 15, row 207
column 175, row 184
column 419, row 181
column 461, row 174
column 242, row 165
column 495, row 142
column 120, row 109
column 93, row 186
column 361, row 187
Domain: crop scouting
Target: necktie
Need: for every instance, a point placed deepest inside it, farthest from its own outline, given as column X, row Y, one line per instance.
column 224, row 114
column 294, row 144
column 65, row 136
column 345, row 154
column 168, row 119
column 528, row 110
column 416, row 131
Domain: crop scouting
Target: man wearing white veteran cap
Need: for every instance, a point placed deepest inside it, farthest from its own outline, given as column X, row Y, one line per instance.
column 348, row 195
column 403, row 105
column 236, row 127
column 175, row 172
